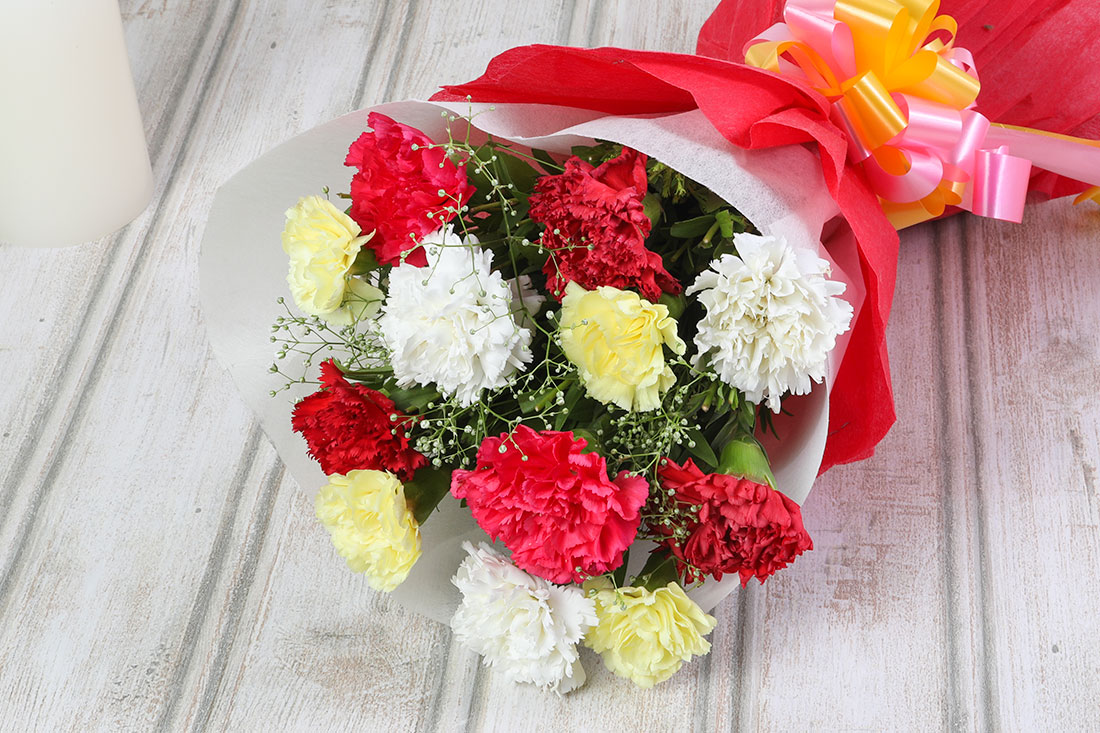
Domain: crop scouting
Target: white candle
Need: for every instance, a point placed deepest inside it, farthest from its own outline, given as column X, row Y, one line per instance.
column 73, row 160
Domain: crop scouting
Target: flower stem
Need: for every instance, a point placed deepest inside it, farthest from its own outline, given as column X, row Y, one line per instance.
column 710, row 232
column 490, row 206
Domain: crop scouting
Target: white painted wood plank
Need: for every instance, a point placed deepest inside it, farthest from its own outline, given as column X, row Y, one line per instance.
column 76, row 291
column 1034, row 358
column 59, row 303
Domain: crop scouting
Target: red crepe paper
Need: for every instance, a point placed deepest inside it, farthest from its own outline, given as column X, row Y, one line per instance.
column 733, row 24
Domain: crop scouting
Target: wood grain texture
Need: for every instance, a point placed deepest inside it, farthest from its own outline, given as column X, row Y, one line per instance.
column 158, row 569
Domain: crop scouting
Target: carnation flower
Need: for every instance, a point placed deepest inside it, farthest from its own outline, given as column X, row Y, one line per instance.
column 643, row 635
column 615, row 339
column 322, row 243
column 552, row 504
column 404, row 188
column 371, row 525
column 596, row 227
column 349, row 426
column 740, row 527
column 451, row 324
column 524, row 627
column 771, row 317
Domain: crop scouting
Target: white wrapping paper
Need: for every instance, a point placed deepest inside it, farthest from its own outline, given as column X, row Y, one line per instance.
column 243, row 272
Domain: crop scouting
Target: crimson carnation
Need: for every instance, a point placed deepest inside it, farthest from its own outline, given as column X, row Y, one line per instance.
column 348, row 427
column 596, row 227
column 395, row 192
column 742, row 526
column 552, row 504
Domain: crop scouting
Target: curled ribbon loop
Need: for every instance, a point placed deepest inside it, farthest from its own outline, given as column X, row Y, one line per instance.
column 905, row 94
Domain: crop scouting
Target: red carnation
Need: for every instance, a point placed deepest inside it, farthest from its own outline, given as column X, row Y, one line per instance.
column 596, row 227
column 348, row 427
column 395, row 194
column 742, row 526
column 552, row 505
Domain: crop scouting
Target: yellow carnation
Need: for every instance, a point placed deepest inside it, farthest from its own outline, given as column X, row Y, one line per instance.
column 646, row 635
column 322, row 243
column 371, row 525
column 617, row 339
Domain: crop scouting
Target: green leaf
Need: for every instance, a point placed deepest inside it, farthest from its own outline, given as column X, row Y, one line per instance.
column 572, row 396
column 518, row 212
column 701, row 448
column 373, row 378
column 596, row 154
column 593, row 443
column 651, row 204
column 411, row 400
column 477, row 177
column 365, row 262
column 746, row 416
column 659, row 571
column 696, row 401
column 724, row 247
column 675, row 304
column 516, row 171
column 709, row 201
column 532, row 402
column 549, row 164
column 426, row 490
column 620, row 573
column 691, row 228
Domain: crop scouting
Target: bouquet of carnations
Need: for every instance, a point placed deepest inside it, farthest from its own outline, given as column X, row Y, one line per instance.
column 581, row 350
column 614, row 310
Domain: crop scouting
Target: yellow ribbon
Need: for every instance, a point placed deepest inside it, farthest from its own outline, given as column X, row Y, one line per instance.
column 1092, row 194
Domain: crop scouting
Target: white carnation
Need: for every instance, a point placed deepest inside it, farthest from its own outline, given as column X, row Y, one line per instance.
column 451, row 323
column 772, row 318
column 525, row 627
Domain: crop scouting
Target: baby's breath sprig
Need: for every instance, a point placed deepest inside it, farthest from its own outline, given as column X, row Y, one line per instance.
column 356, row 346
column 450, row 433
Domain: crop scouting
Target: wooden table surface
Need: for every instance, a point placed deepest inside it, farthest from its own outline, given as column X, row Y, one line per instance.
column 160, row 570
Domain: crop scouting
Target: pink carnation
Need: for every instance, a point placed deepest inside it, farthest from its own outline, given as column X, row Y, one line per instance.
column 557, row 511
column 395, row 192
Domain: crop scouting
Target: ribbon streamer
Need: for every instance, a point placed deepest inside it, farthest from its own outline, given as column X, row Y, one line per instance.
column 905, row 95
